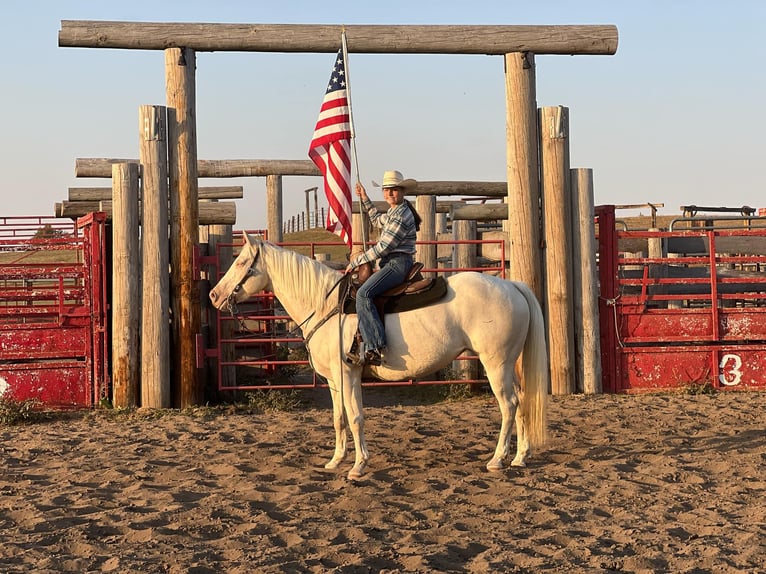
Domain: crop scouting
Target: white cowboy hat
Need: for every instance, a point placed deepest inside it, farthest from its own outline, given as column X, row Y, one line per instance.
column 395, row 178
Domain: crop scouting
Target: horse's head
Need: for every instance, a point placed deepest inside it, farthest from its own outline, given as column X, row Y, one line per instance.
column 244, row 278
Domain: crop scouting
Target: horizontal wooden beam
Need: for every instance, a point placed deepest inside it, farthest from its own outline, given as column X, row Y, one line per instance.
column 102, row 167
column 469, row 188
column 210, row 212
column 105, row 193
column 441, row 206
column 488, row 212
column 371, row 39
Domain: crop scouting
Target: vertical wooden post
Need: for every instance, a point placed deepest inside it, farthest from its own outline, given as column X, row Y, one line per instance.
column 426, row 254
column 126, row 302
column 464, row 256
column 316, row 209
column 155, row 300
column 441, row 225
column 522, row 169
column 585, row 282
column 357, row 232
column 180, row 92
column 557, row 226
column 274, row 207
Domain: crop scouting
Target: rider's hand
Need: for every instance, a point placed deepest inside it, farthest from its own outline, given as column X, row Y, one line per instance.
column 360, row 191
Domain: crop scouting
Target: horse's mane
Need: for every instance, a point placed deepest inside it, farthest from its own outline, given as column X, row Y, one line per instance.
column 303, row 276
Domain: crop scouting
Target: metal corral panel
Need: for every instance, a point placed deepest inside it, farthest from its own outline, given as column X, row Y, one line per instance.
column 53, row 324
column 672, row 320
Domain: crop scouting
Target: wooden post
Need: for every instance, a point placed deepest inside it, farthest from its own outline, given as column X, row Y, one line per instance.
column 464, row 256
column 180, row 71
column 522, row 167
column 126, row 302
column 441, row 223
column 426, row 254
column 585, row 282
column 316, row 208
column 554, row 157
column 357, row 221
column 274, row 207
column 155, row 301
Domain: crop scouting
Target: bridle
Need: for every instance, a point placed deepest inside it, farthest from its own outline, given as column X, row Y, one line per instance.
column 231, row 302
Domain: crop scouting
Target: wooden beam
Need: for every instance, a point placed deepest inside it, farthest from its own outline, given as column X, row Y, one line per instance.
column 371, row 39
column 210, row 213
column 441, row 206
column 102, row 167
column 105, row 193
column 488, row 212
column 469, row 188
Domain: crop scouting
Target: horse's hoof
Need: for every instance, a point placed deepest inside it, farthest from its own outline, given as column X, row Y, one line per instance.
column 357, row 472
column 333, row 464
column 518, row 462
column 495, row 465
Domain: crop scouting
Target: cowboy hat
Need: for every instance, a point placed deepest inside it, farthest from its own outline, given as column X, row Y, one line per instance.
column 395, row 178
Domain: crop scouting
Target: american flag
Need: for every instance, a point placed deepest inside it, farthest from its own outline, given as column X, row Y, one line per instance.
column 330, row 150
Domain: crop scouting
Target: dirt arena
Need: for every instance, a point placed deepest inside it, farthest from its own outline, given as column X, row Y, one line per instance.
column 662, row 483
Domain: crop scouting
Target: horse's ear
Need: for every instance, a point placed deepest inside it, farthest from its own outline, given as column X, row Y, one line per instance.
column 247, row 239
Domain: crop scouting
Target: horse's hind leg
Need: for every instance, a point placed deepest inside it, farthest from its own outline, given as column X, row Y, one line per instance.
column 501, row 379
column 522, row 440
column 339, row 423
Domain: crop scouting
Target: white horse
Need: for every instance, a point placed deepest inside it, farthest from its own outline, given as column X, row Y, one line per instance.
column 494, row 318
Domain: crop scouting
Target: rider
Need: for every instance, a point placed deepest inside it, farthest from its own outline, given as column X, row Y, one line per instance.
column 395, row 249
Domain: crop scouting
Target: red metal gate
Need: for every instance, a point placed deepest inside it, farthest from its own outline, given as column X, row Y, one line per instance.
column 53, row 322
column 693, row 314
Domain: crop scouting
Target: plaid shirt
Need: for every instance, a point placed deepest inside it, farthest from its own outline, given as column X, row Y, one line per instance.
column 398, row 232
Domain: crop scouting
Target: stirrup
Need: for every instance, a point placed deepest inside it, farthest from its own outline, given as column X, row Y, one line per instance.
column 354, row 355
column 373, row 358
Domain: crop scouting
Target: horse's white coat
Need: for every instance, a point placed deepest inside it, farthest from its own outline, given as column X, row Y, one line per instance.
column 495, row 318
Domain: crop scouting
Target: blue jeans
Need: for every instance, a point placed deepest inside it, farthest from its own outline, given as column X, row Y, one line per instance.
column 393, row 271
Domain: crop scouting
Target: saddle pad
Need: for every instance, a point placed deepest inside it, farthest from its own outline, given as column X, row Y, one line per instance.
column 407, row 302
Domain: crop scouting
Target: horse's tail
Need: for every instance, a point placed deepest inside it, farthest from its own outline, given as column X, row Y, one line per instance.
column 534, row 395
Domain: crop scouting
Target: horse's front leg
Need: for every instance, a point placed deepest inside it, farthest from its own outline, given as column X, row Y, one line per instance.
column 352, row 398
column 339, row 423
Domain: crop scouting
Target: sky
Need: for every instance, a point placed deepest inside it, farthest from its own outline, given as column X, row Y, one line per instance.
column 676, row 116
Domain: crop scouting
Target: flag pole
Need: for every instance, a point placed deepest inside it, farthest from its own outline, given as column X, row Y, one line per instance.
column 362, row 214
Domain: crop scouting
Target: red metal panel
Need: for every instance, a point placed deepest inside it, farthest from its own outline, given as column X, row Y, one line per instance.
column 668, row 323
column 41, row 342
column 61, row 384
column 733, row 367
column 53, row 314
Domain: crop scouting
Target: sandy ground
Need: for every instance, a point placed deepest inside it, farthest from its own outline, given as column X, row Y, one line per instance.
column 664, row 483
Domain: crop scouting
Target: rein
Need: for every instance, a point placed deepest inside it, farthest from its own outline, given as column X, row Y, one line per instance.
column 334, row 311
